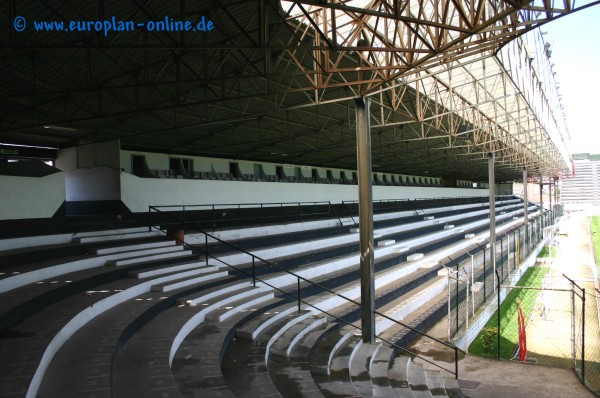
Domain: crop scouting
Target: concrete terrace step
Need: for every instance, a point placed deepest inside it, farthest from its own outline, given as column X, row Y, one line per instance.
column 244, row 365
column 105, row 232
column 410, row 302
column 150, row 256
column 257, row 325
column 187, row 278
column 286, row 342
column 129, row 248
column 379, row 369
column 452, row 387
column 162, row 270
column 271, row 253
column 232, row 308
column 322, row 355
column 212, row 301
column 116, row 236
column 360, row 361
column 89, row 262
column 418, row 381
column 292, row 374
column 338, row 382
column 398, row 377
column 212, row 293
column 435, row 383
column 141, row 252
column 245, row 371
column 65, row 324
column 291, row 322
column 196, row 366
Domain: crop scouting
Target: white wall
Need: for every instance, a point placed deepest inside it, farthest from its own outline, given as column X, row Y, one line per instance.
column 139, row 193
column 92, row 171
column 31, row 197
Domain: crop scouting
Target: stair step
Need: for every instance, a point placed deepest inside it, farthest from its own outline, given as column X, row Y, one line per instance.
column 284, row 327
column 418, row 381
column 398, row 376
column 116, row 236
column 253, row 328
column 339, row 383
column 141, row 253
column 303, row 350
column 223, row 313
column 216, row 292
column 149, row 258
column 379, row 370
column 435, row 383
column 410, row 302
column 189, row 278
column 286, row 341
column 147, row 273
column 323, row 354
column 452, row 387
column 359, row 368
column 110, row 232
column 129, row 248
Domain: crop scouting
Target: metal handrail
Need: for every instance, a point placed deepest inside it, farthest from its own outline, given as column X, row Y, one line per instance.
column 419, row 203
column 217, row 208
column 298, row 296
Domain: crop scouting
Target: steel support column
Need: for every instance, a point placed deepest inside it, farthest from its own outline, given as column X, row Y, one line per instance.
column 550, row 183
column 365, row 206
column 526, row 208
column 492, row 190
column 542, row 202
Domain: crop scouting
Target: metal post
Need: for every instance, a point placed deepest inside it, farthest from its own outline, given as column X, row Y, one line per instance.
column 583, row 336
column 526, row 207
column 365, row 205
column 499, row 314
column 542, row 201
column 492, row 194
column 502, row 256
column 299, row 299
column 467, row 318
column 550, row 201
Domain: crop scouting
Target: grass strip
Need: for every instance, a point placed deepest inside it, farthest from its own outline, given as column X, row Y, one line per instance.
column 509, row 334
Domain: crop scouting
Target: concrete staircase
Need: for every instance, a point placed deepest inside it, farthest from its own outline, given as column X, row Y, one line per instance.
column 156, row 319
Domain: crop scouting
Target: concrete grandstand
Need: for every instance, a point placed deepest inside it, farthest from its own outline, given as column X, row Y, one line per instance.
column 269, row 207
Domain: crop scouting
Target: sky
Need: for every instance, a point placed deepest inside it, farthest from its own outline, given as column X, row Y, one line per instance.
column 576, row 57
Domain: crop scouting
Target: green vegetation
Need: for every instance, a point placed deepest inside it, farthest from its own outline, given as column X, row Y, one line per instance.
column 548, row 252
column 595, row 230
column 509, row 333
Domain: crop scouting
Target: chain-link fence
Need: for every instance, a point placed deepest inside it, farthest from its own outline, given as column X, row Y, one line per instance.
column 560, row 317
column 586, row 334
column 472, row 281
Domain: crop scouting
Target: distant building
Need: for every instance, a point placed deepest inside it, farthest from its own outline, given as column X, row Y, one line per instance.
column 581, row 191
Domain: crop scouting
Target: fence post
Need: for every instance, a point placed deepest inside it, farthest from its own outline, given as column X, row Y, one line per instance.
column 457, row 298
column 498, row 317
column 299, row 310
column 253, row 271
column 484, row 278
column 583, row 336
column 573, row 324
column 449, row 296
column 206, row 248
column 467, row 317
